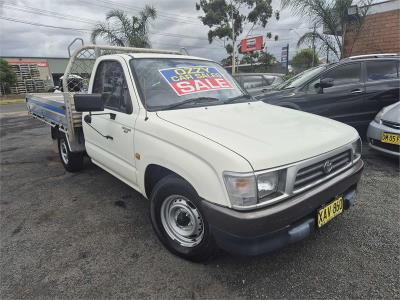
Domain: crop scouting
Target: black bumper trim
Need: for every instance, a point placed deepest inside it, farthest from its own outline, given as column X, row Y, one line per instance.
column 265, row 230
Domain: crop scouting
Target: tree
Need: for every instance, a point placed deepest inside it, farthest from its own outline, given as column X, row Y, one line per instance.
column 263, row 57
column 332, row 15
column 226, row 20
column 267, row 59
column 8, row 77
column 250, row 58
column 227, row 61
column 304, row 59
column 126, row 31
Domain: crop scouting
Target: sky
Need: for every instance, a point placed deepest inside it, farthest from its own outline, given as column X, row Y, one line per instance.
column 176, row 26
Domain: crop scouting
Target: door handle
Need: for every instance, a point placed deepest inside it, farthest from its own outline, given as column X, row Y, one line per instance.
column 126, row 129
column 357, row 91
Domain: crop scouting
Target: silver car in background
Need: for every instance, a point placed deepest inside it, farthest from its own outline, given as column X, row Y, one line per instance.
column 384, row 131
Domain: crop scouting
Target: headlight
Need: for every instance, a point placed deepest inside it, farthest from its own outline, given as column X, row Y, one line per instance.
column 267, row 184
column 250, row 189
column 356, row 149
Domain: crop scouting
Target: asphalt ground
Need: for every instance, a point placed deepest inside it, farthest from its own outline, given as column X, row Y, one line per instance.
column 88, row 235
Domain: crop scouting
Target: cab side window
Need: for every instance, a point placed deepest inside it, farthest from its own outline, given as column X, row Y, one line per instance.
column 382, row 70
column 111, row 83
column 345, row 74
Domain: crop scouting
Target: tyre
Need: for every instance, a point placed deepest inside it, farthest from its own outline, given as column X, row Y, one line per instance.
column 72, row 161
column 178, row 221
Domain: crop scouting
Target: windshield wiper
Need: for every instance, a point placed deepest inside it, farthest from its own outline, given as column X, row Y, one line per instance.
column 231, row 100
column 191, row 100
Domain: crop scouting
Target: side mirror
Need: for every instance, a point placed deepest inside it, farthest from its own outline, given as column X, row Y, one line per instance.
column 325, row 83
column 88, row 102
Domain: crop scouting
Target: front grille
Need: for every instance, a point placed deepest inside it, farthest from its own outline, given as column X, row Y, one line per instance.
column 391, row 124
column 312, row 173
column 390, row 147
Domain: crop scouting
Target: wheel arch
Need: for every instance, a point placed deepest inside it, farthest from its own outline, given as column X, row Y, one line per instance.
column 153, row 174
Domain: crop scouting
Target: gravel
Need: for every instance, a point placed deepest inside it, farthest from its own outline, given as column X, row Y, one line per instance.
column 88, row 235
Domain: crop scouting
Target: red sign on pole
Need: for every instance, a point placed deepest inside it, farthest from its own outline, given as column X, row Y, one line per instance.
column 251, row 44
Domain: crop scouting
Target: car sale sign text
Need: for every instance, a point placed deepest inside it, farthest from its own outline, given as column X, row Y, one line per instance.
column 189, row 80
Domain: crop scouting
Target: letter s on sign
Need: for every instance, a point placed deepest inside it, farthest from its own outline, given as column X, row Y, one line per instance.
column 185, row 87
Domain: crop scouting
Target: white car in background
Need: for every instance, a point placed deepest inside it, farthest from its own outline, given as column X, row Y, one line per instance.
column 384, row 131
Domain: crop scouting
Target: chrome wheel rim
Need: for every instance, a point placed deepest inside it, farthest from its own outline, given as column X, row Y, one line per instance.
column 64, row 151
column 182, row 221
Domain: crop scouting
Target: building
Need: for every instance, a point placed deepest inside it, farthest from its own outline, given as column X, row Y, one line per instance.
column 380, row 32
column 38, row 74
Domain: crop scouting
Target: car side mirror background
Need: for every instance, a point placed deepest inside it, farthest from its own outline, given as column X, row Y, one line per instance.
column 88, row 102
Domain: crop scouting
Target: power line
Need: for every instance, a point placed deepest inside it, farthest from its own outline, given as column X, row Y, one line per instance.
column 85, row 30
column 48, row 13
column 135, row 9
column 93, row 22
column 54, row 14
column 178, row 16
column 42, row 25
column 74, row 18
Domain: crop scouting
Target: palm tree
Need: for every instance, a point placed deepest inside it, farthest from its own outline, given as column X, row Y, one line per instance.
column 333, row 16
column 126, row 31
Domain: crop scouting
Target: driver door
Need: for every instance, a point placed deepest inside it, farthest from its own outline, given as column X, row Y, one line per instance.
column 116, row 153
column 343, row 101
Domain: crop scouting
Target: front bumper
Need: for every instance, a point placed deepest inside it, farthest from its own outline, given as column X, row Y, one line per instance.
column 374, row 136
column 265, row 230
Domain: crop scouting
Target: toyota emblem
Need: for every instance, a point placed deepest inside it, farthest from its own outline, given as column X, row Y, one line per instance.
column 328, row 167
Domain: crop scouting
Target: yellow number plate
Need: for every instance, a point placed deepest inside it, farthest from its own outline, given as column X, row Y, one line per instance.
column 329, row 211
column 390, row 138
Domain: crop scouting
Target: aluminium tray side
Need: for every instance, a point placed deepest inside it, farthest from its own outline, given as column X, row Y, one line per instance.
column 56, row 109
column 49, row 108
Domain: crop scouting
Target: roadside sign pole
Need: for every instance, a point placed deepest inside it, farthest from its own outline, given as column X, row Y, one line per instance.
column 287, row 60
column 233, row 44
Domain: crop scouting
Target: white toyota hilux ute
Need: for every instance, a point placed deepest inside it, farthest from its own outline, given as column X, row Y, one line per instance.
column 219, row 168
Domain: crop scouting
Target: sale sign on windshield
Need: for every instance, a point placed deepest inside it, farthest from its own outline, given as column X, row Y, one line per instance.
column 189, row 80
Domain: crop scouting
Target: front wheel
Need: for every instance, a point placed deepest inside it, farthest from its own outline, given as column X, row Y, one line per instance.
column 72, row 161
column 178, row 221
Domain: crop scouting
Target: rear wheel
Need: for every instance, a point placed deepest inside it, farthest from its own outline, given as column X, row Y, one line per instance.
column 72, row 161
column 178, row 220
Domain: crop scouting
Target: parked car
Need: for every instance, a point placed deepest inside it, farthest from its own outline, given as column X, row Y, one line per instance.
column 351, row 91
column 220, row 169
column 258, row 83
column 75, row 84
column 384, row 131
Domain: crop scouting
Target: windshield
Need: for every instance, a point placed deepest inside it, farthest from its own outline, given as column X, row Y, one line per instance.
column 165, row 82
column 301, row 78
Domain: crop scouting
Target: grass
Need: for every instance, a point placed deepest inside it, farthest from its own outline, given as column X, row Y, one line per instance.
column 11, row 101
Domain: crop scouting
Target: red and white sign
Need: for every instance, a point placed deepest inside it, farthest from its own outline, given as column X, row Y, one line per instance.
column 196, row 79
column 42, row 63
column 251, row 44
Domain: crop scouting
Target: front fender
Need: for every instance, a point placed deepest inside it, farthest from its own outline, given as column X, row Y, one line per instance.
column 198, row 160
column 198, row 172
